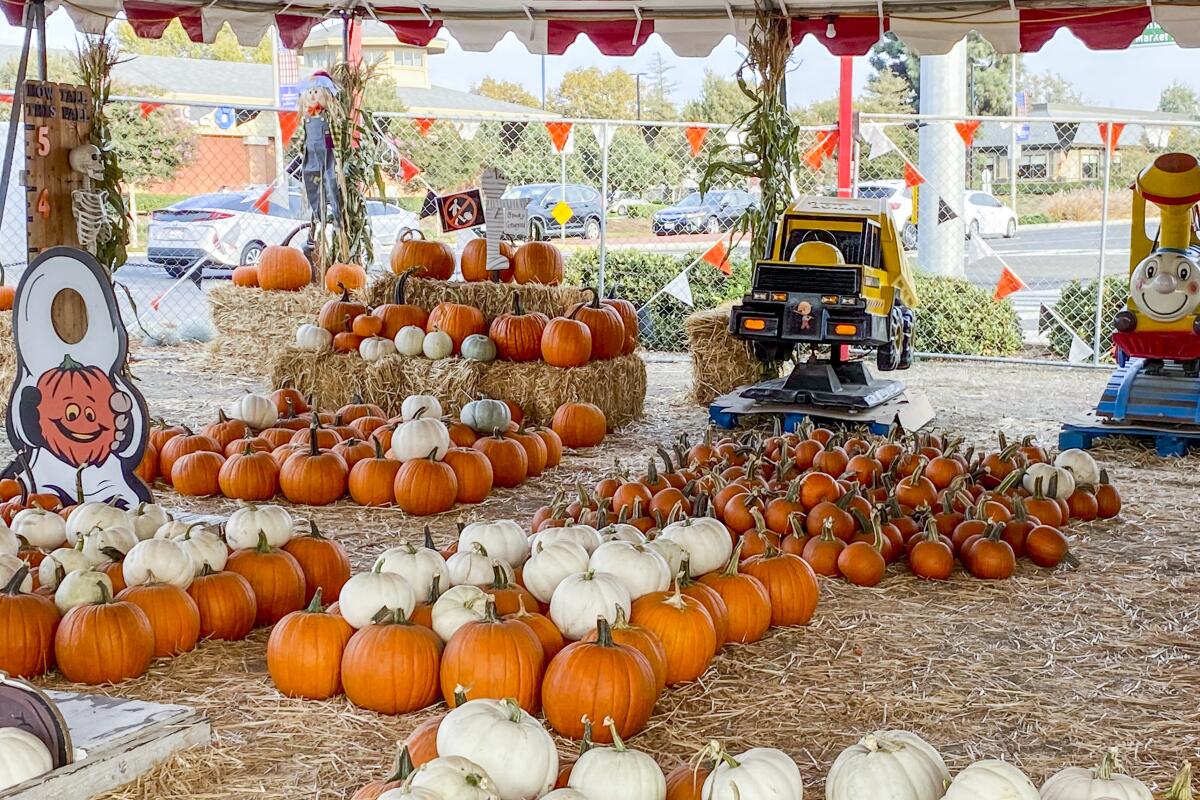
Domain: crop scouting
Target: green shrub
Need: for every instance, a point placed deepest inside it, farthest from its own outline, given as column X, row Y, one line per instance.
column 1077, row 307
column 639, row 275
column 954, row 316
column 644, row 211
column 1034, row 219
column 409, row 203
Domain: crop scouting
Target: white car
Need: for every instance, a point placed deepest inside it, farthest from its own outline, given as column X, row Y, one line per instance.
column 984, row 215
column 223, row 230
column 899, row 204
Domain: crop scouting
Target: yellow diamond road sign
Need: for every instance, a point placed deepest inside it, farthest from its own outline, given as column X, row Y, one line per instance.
column 562, row 212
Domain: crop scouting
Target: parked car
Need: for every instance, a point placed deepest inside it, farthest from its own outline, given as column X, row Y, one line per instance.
column 899, row 205
column 984, row 215
column 627, row 206
column 711, row 212
column 584, row 201
column 223, row 230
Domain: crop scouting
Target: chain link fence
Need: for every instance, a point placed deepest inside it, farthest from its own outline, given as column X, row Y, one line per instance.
column 211, row 186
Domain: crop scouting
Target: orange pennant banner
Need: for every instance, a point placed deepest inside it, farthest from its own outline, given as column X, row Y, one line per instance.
column 822, row 149
column 1110, row 133
column 408, row 170
column 718, row 256
column 148, row 108
column 1009, row 282
column 912, row 177
column 288, row 122
column 559, row 133
column 967, row 130
column 423, row 125
column 263, row 204
column 695, row 138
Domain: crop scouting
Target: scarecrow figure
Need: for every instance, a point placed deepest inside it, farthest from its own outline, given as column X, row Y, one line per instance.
column 318, row 167
column 74, row 417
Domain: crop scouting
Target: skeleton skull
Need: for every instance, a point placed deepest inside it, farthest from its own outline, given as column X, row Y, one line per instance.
column 85, row 160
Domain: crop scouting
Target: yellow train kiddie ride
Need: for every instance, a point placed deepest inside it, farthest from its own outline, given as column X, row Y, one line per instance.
column 835, row 277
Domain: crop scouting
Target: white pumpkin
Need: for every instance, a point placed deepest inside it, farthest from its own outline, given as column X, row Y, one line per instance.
column 98, row 541
column 313, row 338
column 641, row 569
column 158, row 561
column 1046, row 473
column 417, row 565
column 475, row 567
column 503, row 539
column 174, row 528
column 40, row 528
column 80, row 588
column 367, row 593
column 888, row 765
column 10, row 545
column 583, row 597
column 204, row 548
column 87, row 516
column 618, row 773
column 566, row 794
column 409, row 340
column 410, row 793
column 9, row 565
column 671, row 552
column 759, row 772
column 420, row 405
column 456, row 607
column 374, row 348
column 504, row 739
column 1080, row 464
column 437, row 345
column 256, row 410
column 485, row 416
column 1077, row 783
column 585, row 536
column 620, row 532
column 419, row 437
column 991, row 779
column 245, row 524
column 59, row 564
column 550, row 565
column 146, row 519
column 23, row 757
column 455, row 777
column 705, row 540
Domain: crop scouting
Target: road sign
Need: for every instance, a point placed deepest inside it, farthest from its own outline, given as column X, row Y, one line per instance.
column 460, row 210
column 1153, row 36
column 562, row 212
column 1022, row 111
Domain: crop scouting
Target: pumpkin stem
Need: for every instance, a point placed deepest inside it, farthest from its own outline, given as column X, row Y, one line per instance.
column 514, row 709
column 499, row 579
column 618, row 742
column 1108, row 765
column 731, row 566
column 604, row 630
column 106, row 593
column 79, row 498
column 315, row 606
column 460, row 695
column 1181, row 789
column 114, row 555
column 432, row 454
column 263, row 547
column 489, row 610
column 13, row 586
column 206, row 570
column 403, row 766
column 435, row 588
column 313, row 531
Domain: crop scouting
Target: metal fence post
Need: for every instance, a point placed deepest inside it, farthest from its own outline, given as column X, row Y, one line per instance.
column 604, row 144
column 1108, row 131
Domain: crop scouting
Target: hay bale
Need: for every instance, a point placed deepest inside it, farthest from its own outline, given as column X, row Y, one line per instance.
column 8, row 358
column 493, row 299
column 253, row 323
column 720, row 363
column 617, row 386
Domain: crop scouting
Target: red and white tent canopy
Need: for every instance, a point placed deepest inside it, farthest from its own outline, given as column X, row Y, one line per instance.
column 689, row 27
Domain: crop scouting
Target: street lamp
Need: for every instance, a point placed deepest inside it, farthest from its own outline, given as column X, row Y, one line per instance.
column 637, row 77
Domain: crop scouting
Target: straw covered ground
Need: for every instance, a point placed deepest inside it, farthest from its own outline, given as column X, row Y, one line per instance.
column 720, row 363
column 1045, row 670
column 617, row 386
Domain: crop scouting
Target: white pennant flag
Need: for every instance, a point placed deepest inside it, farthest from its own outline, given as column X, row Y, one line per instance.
column 978, row 250
column 874, row 135
column 466, row 130
column 680, row 289
column 604, row 135
column 1080, row 351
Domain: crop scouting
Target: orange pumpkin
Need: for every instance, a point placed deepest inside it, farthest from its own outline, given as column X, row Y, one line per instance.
column 566, row 343
column 495, row 659
column 685, row 629
column 429, row 259
column 510, row 464
column 226, row 604
column 472, row 471
column 538, row 262
column 399, row 313
column 337, row 315
column 275, row 577
column 391, row 666
column 425, row 486
column 607, row 329
column 456, row 320
column 283, row 268
column 246, row 276
column 198, row 474
column 313, row 477
column 27, row 625
column 473, row 262
column 518, row 336
column 340, row 277
column 627, row 311
column 323, row 561
column 106, row 642
column 174, row 617
column 579, row 424
column 304, row 652
column 249, row 475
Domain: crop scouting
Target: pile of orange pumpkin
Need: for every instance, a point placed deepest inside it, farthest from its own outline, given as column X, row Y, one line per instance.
column 277, row 444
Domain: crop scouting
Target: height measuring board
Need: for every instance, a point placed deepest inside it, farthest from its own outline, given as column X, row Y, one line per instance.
column 58, row 118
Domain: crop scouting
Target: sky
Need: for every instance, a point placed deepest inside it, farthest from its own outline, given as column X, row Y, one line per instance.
column 1129, row 79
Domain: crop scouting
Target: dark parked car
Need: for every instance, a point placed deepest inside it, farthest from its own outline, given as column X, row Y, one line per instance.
column 709, row 213
column 584, row 201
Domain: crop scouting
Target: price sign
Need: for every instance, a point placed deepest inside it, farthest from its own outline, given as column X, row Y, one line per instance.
column 58, row 118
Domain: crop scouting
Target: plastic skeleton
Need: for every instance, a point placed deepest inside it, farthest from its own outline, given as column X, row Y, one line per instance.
column 89, row 205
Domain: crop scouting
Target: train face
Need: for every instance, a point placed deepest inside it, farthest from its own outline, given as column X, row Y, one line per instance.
column 1166, row 285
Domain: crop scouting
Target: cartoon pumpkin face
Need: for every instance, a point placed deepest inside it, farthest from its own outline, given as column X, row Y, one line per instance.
column 78, row 422
column 1166, row 285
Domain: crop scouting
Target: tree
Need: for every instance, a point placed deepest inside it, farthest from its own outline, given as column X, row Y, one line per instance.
column 153, row 147
column 892, row 54
column 1179, row 98
column 721, row 101
column 380, row 94
column 175, row 42
column 1047, row 87
column 592, row 92
column 886, row 93
column 505, row 91
column 657, row 91
column 988, row 76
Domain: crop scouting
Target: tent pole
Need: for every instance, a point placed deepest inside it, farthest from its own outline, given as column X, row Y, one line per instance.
column 18, row 105
column 845, row 141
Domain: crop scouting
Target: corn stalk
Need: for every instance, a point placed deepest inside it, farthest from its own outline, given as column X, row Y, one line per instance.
column 765, row 145
column 96, row 59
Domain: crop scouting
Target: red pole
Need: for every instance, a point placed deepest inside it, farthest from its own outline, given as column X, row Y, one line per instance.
column 845, row 125
column 354, row 55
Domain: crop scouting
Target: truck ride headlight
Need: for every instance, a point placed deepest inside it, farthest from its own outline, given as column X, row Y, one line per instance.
column 845, row 329
column 754, row 324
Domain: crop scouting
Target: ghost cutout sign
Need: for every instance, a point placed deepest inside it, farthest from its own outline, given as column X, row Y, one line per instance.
column 74, row 419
